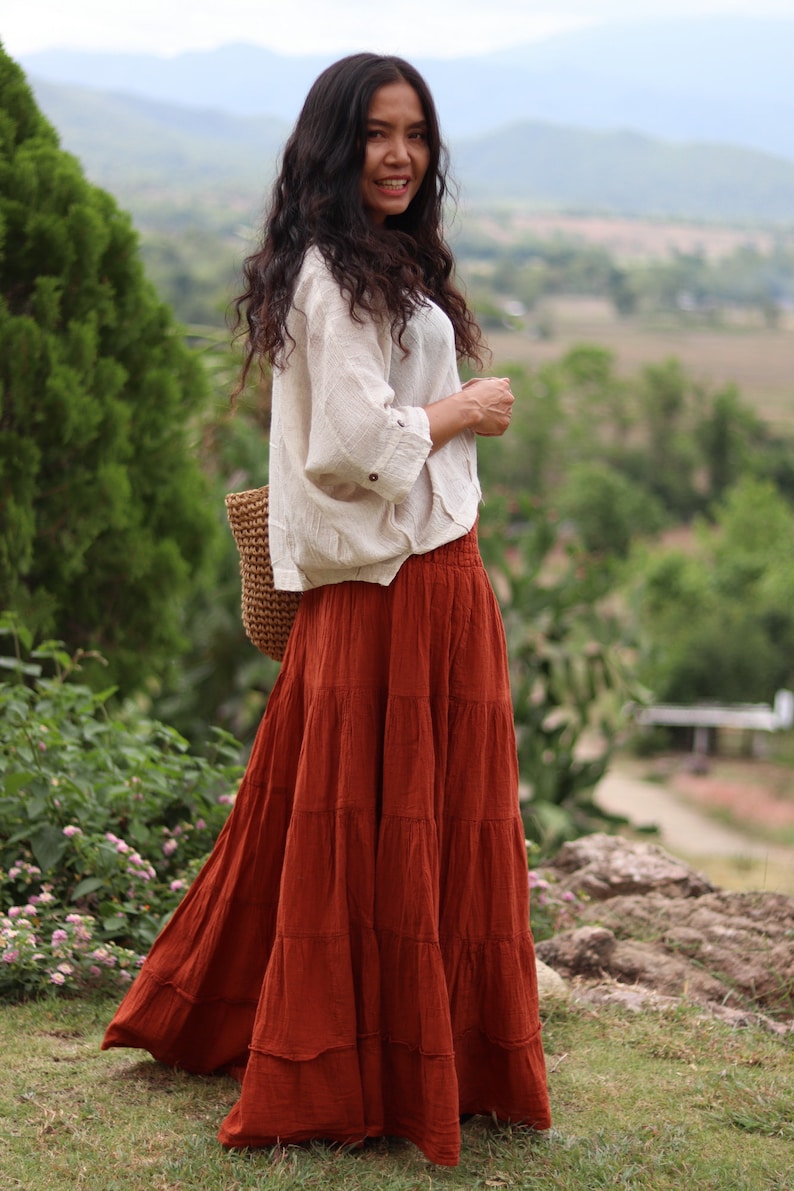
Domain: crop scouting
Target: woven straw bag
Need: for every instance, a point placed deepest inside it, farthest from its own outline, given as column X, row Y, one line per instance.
column 267, row 614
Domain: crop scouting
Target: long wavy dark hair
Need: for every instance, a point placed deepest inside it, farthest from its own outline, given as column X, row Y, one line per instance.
column 317, row 200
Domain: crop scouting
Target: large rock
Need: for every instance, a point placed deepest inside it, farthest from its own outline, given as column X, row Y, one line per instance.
column 601, row 866
column 595, row 952
column 551, row 986
column 587, row 951
column 655, row 925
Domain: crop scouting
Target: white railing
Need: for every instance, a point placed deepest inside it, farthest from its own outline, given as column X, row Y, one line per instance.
column 751, row 717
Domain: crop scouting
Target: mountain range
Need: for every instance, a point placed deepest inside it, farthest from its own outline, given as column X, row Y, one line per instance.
column 158, row 156
column 719, row 79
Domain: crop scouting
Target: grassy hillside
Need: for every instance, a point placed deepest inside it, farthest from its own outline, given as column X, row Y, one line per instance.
column 137, row 146
column 132, row 145
column 625, row 173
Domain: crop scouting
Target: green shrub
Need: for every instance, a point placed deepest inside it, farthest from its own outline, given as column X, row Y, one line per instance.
column 571, row 670
column 717, row 621
column 609, row 510
column 104, row 816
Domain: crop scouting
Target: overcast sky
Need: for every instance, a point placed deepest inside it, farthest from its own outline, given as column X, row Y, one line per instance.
column 437, row 28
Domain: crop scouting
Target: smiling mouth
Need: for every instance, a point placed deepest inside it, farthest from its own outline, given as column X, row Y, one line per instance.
column 394, row 184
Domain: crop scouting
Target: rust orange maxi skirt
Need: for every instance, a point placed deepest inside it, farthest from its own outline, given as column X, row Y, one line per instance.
column 358, row 941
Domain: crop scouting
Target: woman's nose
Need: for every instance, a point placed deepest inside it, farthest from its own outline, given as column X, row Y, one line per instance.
column 398, row 149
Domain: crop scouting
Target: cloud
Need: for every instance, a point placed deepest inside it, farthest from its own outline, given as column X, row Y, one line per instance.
column 441, row 28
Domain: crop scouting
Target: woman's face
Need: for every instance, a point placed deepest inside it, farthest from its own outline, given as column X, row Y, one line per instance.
column 397, row 153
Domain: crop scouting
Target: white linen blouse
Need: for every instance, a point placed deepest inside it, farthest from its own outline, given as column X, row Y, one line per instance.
column 354, row 489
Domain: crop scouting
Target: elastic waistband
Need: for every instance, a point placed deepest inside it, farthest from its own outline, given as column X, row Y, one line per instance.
column 463, row 552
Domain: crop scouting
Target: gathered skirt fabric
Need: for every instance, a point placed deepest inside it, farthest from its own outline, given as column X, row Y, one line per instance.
column 357, row 947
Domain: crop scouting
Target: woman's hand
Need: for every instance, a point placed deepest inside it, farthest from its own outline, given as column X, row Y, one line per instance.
column 483, row 405
column 493, row 404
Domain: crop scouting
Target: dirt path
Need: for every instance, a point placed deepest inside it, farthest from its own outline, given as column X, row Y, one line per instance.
column 728, row 856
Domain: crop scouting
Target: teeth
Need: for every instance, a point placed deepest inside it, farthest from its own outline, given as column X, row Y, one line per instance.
column 392, row 185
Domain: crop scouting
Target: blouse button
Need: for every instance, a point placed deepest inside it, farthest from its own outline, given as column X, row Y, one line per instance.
column 373, row 475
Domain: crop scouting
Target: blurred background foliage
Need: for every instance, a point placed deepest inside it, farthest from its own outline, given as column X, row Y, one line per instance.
column 638, row 520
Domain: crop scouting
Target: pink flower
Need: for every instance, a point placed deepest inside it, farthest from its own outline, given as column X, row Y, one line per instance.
column 176, row 886
column 10, row 957
column 67, row 969
column 58, row 936
column 72, row 830
column 200, row 825
column 169, row 847
column 146, row 873
column 226, row 799
column 14, row 911
column 57, row 978
column 567, row 896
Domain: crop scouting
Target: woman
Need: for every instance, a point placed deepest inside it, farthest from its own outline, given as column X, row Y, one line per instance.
column 357, row 950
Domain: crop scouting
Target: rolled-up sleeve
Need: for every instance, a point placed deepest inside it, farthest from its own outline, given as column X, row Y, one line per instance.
column 358, row 432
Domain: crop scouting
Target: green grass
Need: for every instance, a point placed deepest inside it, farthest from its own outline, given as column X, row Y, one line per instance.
column 652, row 1102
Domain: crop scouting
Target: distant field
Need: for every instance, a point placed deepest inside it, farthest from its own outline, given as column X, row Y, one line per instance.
column 758, row 360
column 627, row 239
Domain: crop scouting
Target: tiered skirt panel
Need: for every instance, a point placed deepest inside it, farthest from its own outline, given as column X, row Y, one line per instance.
column 357, row 947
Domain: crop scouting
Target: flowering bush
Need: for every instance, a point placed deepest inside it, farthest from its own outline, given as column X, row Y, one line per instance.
column 41, row 947
column 105, row 818
column 551, row 909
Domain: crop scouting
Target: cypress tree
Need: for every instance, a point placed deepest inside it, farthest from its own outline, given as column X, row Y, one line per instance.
column 105, row 521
